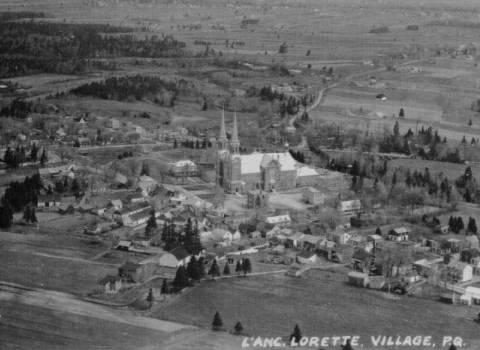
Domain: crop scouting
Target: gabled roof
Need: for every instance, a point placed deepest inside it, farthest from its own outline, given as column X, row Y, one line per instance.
column 179, row 252
column 306, row 254
column 398, row 231
column 278, row 219
column 306, row 171
column 311, row 239
column 251, row 163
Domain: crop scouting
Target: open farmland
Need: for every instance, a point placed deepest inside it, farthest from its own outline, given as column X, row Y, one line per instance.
column 329, row 308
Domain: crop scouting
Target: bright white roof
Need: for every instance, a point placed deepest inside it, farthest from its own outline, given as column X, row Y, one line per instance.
column 306, row 171
column 184, row 162
column 277, row 219
column 251, row 162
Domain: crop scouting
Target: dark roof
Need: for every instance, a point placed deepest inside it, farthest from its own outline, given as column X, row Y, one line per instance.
column 179, row 252
column 109, row 279
column 306, row 254
column 48, row 198
column 130, row 266
column 361, row 255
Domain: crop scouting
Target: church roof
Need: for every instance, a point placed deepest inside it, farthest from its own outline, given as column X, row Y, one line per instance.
column 235, row 141
column 223, row 131
column 251, row 163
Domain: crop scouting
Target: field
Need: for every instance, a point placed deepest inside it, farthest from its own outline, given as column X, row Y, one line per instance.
column 322, row 305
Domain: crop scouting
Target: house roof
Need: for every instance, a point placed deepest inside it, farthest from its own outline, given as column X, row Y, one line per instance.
column 311, row 239
column 121, row 179
column 181, row 163
column 179, row 252
column 472, row 239
column 353, row 204
column 48, row 198
column 356, row 274
column 278, row 219
column 296, row 235
column 399, row 231
column 116, row 203
column 458, row 265
column 109, row 279
column 306, row 254
column 251, row 163
column 130, row 266
column 375, row 237
column 306, row 171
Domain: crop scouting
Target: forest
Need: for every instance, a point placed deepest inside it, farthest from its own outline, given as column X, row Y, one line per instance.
column 136, row 87
column 65, row 48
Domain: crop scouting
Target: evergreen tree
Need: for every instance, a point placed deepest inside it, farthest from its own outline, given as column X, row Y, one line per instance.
column 150, row 297
column 296, row 335
column 6, row 217
column 197, row 244
column 246, row 266
column 238, row 328
column 467, row 196
column 43, row 157
column 217, row 323
column 187, row 239
column 238, row 268
column 27, row 214
column 214, row 269
column 401, row 114
column 378, row 231
column 193, row 269
column 396, row 129
column 175, row 144
column 205, row 106
column 145, row 169
column 226, row 270
column 470, row 122
column 164, row 289
column 151, row 224
column 464, row 140
column 33, row 216
column 181, row 278
column 33, row 153
column 472, row 225
column 201, row 267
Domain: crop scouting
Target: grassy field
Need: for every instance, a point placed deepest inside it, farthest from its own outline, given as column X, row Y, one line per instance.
column 50, row 272
column 322, row 304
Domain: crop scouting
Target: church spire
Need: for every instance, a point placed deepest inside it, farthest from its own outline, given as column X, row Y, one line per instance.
column 223, row 133
column 235, row 141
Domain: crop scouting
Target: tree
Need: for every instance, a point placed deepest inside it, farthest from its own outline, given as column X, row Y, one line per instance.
column 238, row 268
column 472, row 225
column 467, row 196
column 193, row 269
column 217, row 323
column 151, row 224
column 205, row 106
column 464, row 140
column 246, row 266
column 226, row 270
column 296, row 335
column 175, row 144
column 181, row 278
column 378, row 231
column 308, row 52
column 401, row 114
column 6, row 217
column 33, row 216
column 283, row 48
column 43, row 157
column 201, row 267
column 164, row 289
column 214, row 269
column 27, row 214
column 145, row 169
column 238, row 328
column 470, row 122
column 396, row 129
column 150, row 297
column 347, row 345
column 33, row 153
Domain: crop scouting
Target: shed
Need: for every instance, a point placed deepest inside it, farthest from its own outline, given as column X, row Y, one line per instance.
column 358, row 279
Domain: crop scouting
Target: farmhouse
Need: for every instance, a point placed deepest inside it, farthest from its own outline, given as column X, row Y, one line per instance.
column 312, row 196
column 398, row 234
column 48, row 201
column 110, row 284
column 133, row 272
column 307, row 257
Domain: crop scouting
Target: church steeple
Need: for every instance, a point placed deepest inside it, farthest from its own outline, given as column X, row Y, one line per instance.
column 235, row 142
column 223, row 132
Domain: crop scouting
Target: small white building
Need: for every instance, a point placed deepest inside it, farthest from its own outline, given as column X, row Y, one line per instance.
column 350, row 207
column 279, row 220
column 307, row 257
column 398, row 234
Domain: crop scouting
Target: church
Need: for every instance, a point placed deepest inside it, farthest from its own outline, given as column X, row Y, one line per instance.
column 265, row 171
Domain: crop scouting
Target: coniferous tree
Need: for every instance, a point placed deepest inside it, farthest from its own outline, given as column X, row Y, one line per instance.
column 238, row 328
column 33, row 216
column 151, row 224
column 193, row 269
column 472, row 225
column 238, row 268
column 214, row 269
column 27, row 214
column 6, row 217
column 246, row 266
column 164, row 289
column 217, row 323
column 181, row 278
column 201, row 267
column 33, row 153
column 150, row 297
column 145, row 169
column 378, row 231
column 296, row 335
column 226, row 269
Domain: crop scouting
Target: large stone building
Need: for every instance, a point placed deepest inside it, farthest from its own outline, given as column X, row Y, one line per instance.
column 256, row 171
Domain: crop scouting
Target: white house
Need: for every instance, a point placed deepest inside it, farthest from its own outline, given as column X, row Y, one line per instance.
column 459, row 271
column 350, row 207
column 279, row 220
column 398, row 234
column 306, row 257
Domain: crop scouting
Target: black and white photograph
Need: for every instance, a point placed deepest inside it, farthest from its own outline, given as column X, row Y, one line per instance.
column 239, row 174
